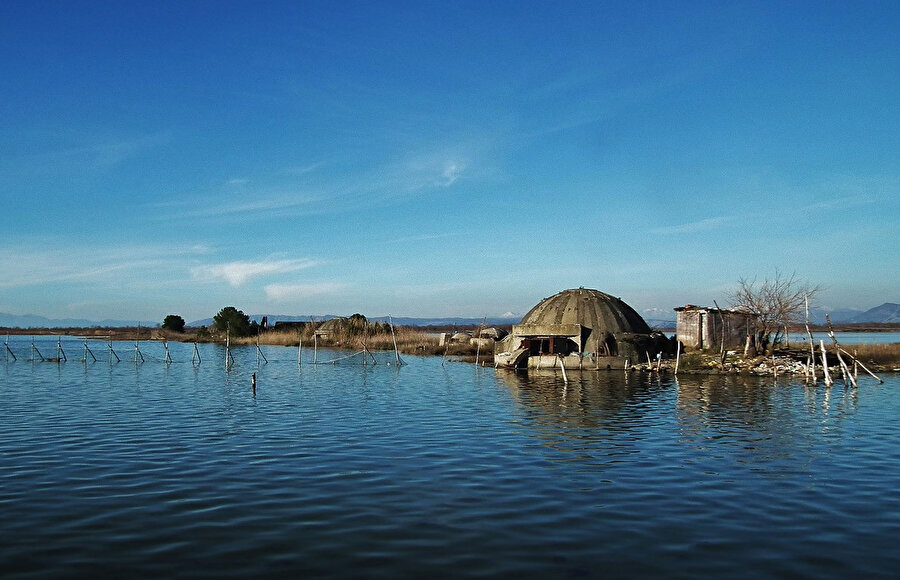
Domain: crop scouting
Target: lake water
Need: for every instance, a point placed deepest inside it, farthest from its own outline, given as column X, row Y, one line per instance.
column 848, row 338
column 135, row 470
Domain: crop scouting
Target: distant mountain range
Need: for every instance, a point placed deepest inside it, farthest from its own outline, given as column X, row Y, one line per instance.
column 35, row 321
column 887, row 312
column 398, row 320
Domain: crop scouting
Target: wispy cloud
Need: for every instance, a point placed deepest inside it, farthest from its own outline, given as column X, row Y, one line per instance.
column 288, row 292
column 261, row 206
column 845, row 202
column 89, row 153
column 24, row 266
column 703, row 225
column 239, row 273
column 303, row 169
column 422, row 238
column 435, row 172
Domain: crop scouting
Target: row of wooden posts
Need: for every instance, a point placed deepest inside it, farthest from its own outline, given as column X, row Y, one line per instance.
column 61, row 356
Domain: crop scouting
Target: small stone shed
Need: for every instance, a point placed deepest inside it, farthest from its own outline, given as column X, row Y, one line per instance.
column 702, row 327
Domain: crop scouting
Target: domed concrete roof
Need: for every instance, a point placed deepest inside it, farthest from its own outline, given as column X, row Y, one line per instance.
column 600, row 313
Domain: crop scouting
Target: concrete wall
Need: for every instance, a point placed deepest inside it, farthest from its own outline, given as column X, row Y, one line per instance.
column 702, row 328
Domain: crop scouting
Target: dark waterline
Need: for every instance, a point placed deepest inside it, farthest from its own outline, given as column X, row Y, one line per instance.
column 378, row 471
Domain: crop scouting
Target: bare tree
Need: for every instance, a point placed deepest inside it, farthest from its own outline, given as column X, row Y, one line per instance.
column 776, row 302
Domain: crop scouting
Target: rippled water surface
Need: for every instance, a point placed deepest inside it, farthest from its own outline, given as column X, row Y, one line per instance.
column 178, row 470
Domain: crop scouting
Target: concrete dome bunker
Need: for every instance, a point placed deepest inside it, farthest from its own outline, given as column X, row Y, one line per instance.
column 583, row 328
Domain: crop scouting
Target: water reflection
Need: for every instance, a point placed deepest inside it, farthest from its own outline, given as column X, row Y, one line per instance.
column 587, row 413
column 757, row 403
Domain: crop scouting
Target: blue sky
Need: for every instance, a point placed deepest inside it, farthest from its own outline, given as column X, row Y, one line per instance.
column 442, row 158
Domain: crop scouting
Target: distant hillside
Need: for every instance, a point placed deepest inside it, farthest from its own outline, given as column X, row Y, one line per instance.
column 35, row 321
column 887, row 312
column 398, row 320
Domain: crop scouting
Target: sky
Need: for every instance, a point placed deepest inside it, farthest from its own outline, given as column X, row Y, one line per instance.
column 442, row 158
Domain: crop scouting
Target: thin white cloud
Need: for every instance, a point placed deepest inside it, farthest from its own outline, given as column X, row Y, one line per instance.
column 423, row 238
column 288, row 292
column 89, row 153
column 845, row 202
column 429, row 173
column 23, row 266
column 259, row 206
column 239, row 273
column 703, row 225
column 304, row 169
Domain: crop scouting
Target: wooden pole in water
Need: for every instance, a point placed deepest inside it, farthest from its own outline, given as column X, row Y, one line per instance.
column 86, row 352
column 34, row 349
column 168, row 356
column 196, row 354
column 828, row 381
column 563, row 367
column 111, row 351
column 10, row 352
column 229, row 359
column 722, row 352
column 259, row 352
column 253, row 383
column 299, row 347
column 478, row 339
column 60, row 353
column 394, row 338
column 859, row 362
column 812, row 349
column 677, row 356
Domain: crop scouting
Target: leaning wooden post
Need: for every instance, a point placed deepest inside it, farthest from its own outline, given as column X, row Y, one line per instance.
column 195, row 354
column 34, row 349
column 859, row 362
column 8, row 351
column 259, row 352
column 812, row 349
column 86, row 352
column 229, row 360
column 112, row 353
column 563, row 367
column 845, row 369
column 677, row 355
column 394, row 338
column 299, row 347
column 828, row 381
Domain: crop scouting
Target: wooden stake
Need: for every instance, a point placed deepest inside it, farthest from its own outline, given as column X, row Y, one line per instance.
column 677, row 356
column 828, row 381
column 394, row 338
column 10, row 352
column 859, row 362
column 812, row 349
column 86, row 352
column 112, row 353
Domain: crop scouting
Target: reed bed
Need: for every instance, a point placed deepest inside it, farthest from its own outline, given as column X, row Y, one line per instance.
column 880, row 354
